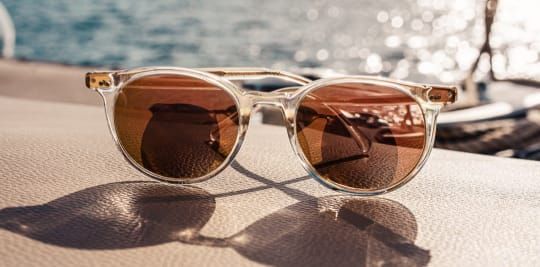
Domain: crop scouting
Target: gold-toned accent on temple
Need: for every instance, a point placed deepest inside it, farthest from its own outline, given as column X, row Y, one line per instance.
column 442, row 94
column 98, row 79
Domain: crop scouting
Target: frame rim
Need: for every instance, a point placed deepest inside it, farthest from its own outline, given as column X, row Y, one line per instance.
column 110, row 96
column 429, row 113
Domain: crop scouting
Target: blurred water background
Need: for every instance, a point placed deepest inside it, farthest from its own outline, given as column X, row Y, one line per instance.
column 429, row 40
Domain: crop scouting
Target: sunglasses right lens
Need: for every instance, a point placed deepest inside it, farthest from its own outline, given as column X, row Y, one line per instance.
column 176, row 126
column 361, row 136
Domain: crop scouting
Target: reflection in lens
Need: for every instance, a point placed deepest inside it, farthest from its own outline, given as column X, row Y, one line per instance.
column 176, row 126
column 361, row 136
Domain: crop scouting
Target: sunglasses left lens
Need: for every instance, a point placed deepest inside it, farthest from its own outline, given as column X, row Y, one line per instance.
column 176, row 126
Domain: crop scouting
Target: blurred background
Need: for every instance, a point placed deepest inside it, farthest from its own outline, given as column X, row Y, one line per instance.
column 491, row 48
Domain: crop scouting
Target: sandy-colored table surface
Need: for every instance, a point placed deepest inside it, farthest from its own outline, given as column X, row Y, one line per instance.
column 69, row 198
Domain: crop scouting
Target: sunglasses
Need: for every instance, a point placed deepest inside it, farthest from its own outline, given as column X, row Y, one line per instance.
column 358, row 134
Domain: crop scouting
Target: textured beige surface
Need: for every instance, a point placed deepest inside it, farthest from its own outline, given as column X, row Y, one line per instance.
column 69, row 198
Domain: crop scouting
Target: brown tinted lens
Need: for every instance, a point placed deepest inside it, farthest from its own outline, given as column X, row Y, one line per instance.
column 362, row 136
column 176, row 126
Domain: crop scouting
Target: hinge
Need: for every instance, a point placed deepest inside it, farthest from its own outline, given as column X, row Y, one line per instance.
column 97, row 80
column 442, row 94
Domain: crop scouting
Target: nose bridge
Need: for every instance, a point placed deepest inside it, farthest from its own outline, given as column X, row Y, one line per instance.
column 275, row 99
column 279, row 99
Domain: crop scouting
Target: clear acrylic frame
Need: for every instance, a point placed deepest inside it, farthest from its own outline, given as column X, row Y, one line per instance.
column 431, row 98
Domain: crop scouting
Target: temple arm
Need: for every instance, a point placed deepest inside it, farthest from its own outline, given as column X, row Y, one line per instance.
column 255, row 73
column 103, row 79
